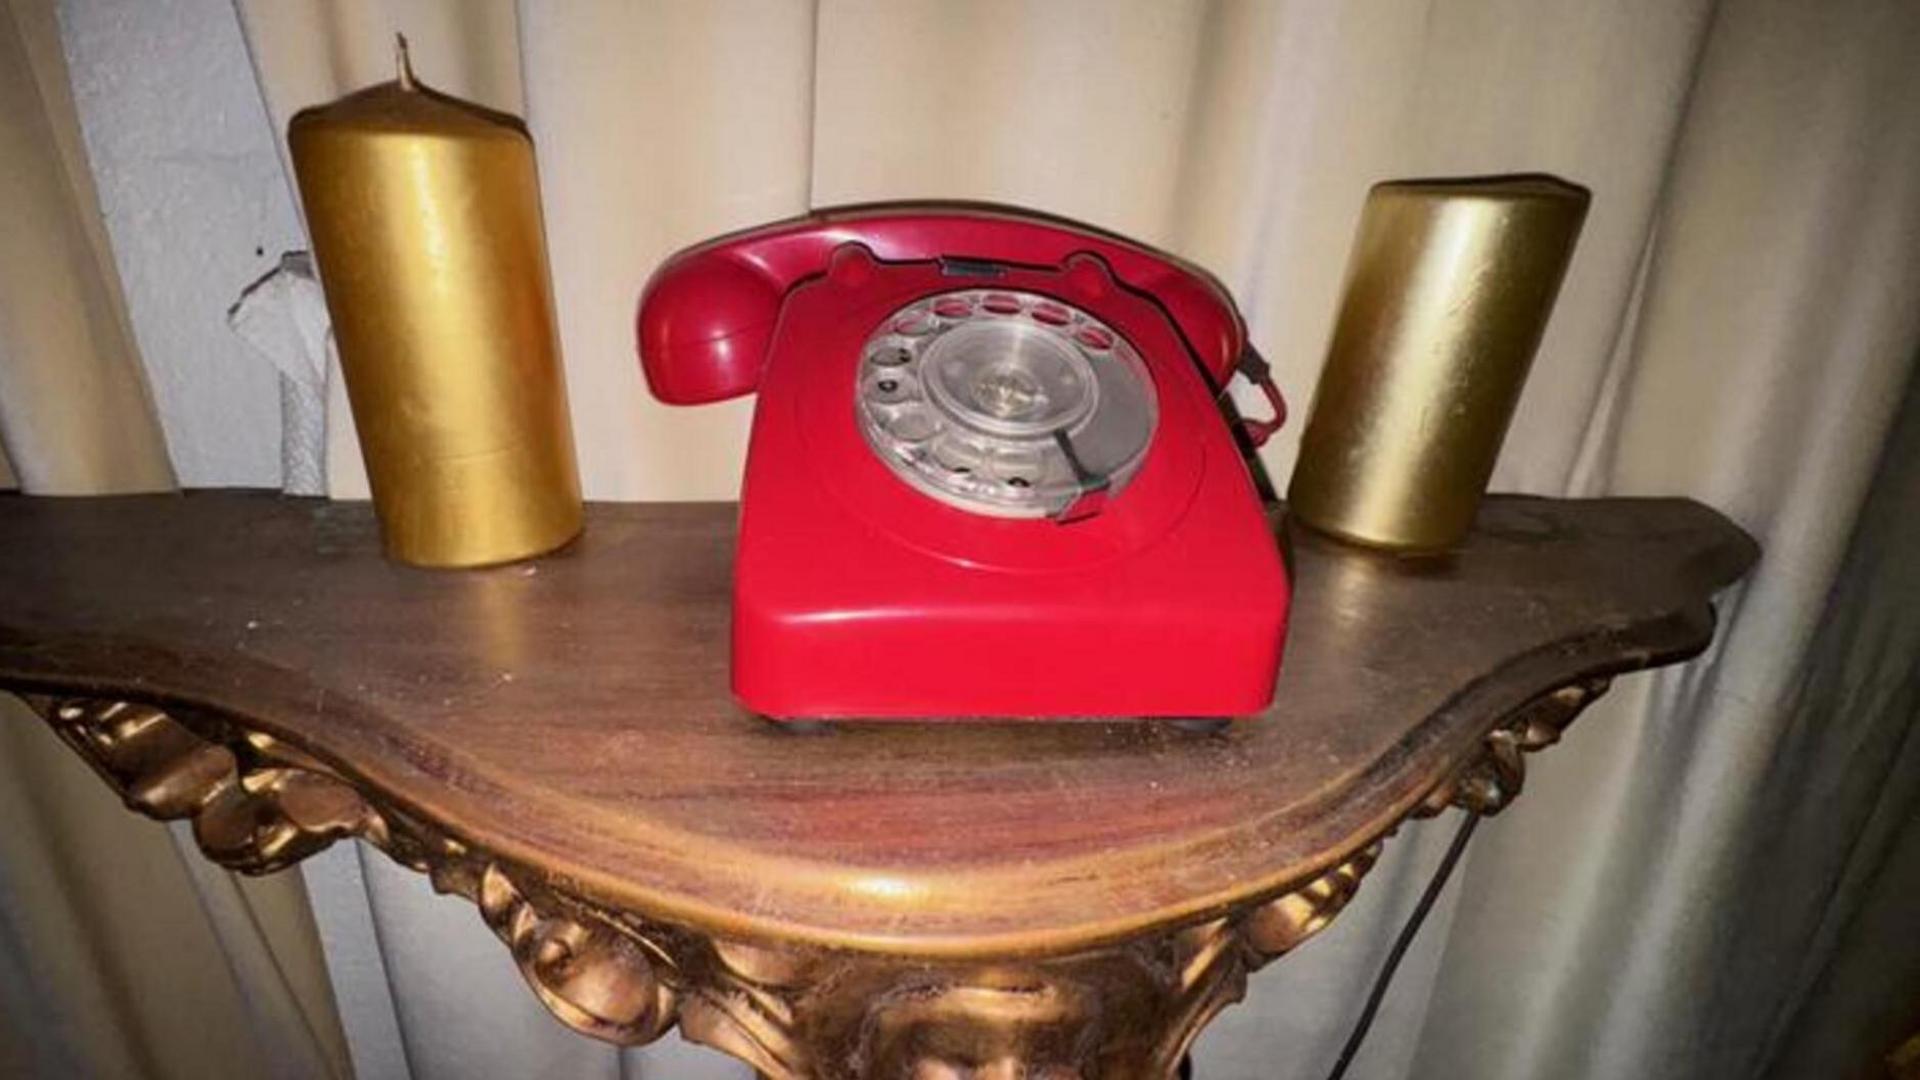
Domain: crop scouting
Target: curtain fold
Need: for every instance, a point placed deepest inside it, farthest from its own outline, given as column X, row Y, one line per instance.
column 1855, row 859
column 1694, row 882
column 120, row 956
column 1850, row 851
column 1778, row 329
column 75, row 416
column 709, row 129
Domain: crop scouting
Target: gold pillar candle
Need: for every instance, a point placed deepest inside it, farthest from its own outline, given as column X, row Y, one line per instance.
column 424, row 214
column 1448, row 291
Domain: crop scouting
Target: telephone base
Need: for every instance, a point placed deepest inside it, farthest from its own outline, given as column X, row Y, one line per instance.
column 875, row 577
column 814, row 726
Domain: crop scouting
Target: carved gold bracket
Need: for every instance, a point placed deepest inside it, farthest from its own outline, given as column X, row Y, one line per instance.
column 1128, row 1011
column 1488, row 783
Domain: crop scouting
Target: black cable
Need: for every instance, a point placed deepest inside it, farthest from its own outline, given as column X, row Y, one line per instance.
column 1400, row 944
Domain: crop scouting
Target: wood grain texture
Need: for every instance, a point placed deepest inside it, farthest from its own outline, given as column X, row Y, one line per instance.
column 571, row 715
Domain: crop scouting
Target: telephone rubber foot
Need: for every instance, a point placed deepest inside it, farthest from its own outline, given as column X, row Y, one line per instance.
column 799, row 727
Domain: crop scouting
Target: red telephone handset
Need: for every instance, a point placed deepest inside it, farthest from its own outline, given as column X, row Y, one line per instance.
column 707, row 315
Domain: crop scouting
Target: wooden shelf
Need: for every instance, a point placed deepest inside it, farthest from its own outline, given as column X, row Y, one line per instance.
column 555, row 740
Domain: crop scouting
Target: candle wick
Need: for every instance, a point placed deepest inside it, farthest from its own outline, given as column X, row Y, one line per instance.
column 402, row 61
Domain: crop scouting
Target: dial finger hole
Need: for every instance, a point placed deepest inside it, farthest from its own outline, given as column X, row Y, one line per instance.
column 915, row 323
column 953, row 307
column 1052, row 314
column 913, row 424
column 891, row 387
column 1018, row 469
column 1094, row 338
column 889, row 356
column 1001, row 304
column 957, row 455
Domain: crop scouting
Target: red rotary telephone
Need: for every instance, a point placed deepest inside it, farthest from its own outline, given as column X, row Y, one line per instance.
column 988, row 474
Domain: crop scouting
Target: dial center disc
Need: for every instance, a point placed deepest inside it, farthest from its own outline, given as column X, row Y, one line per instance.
column 1009, row 378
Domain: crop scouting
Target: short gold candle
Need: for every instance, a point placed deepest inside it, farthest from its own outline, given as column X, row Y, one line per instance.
column 1448, row 292
column 424, row 214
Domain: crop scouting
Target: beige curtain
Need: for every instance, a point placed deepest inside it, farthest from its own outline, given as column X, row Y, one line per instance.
column 1243, row 135
column 122, row 953
column 1701, row 870
column 75, row 417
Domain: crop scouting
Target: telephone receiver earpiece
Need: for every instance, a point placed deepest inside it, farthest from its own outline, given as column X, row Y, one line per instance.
column 706, row 320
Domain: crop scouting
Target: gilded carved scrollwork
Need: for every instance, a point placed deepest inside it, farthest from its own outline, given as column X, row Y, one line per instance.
column 596, row 979
column 1128, row 1011
column 749, row 1003
column 1490, row 782
column 255, row 805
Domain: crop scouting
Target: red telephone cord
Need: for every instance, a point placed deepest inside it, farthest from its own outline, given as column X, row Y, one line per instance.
column 1260, row 374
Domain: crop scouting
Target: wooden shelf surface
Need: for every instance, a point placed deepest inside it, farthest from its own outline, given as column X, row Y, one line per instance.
column 571, row 715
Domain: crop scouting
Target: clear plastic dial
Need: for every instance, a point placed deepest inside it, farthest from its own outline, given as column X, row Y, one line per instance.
column 1006, row 403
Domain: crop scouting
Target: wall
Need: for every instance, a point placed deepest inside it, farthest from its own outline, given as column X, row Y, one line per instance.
column 196, row 207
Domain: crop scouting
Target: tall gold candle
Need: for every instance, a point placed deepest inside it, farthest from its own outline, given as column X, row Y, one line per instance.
column 424, row 214
column 1448, row 292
